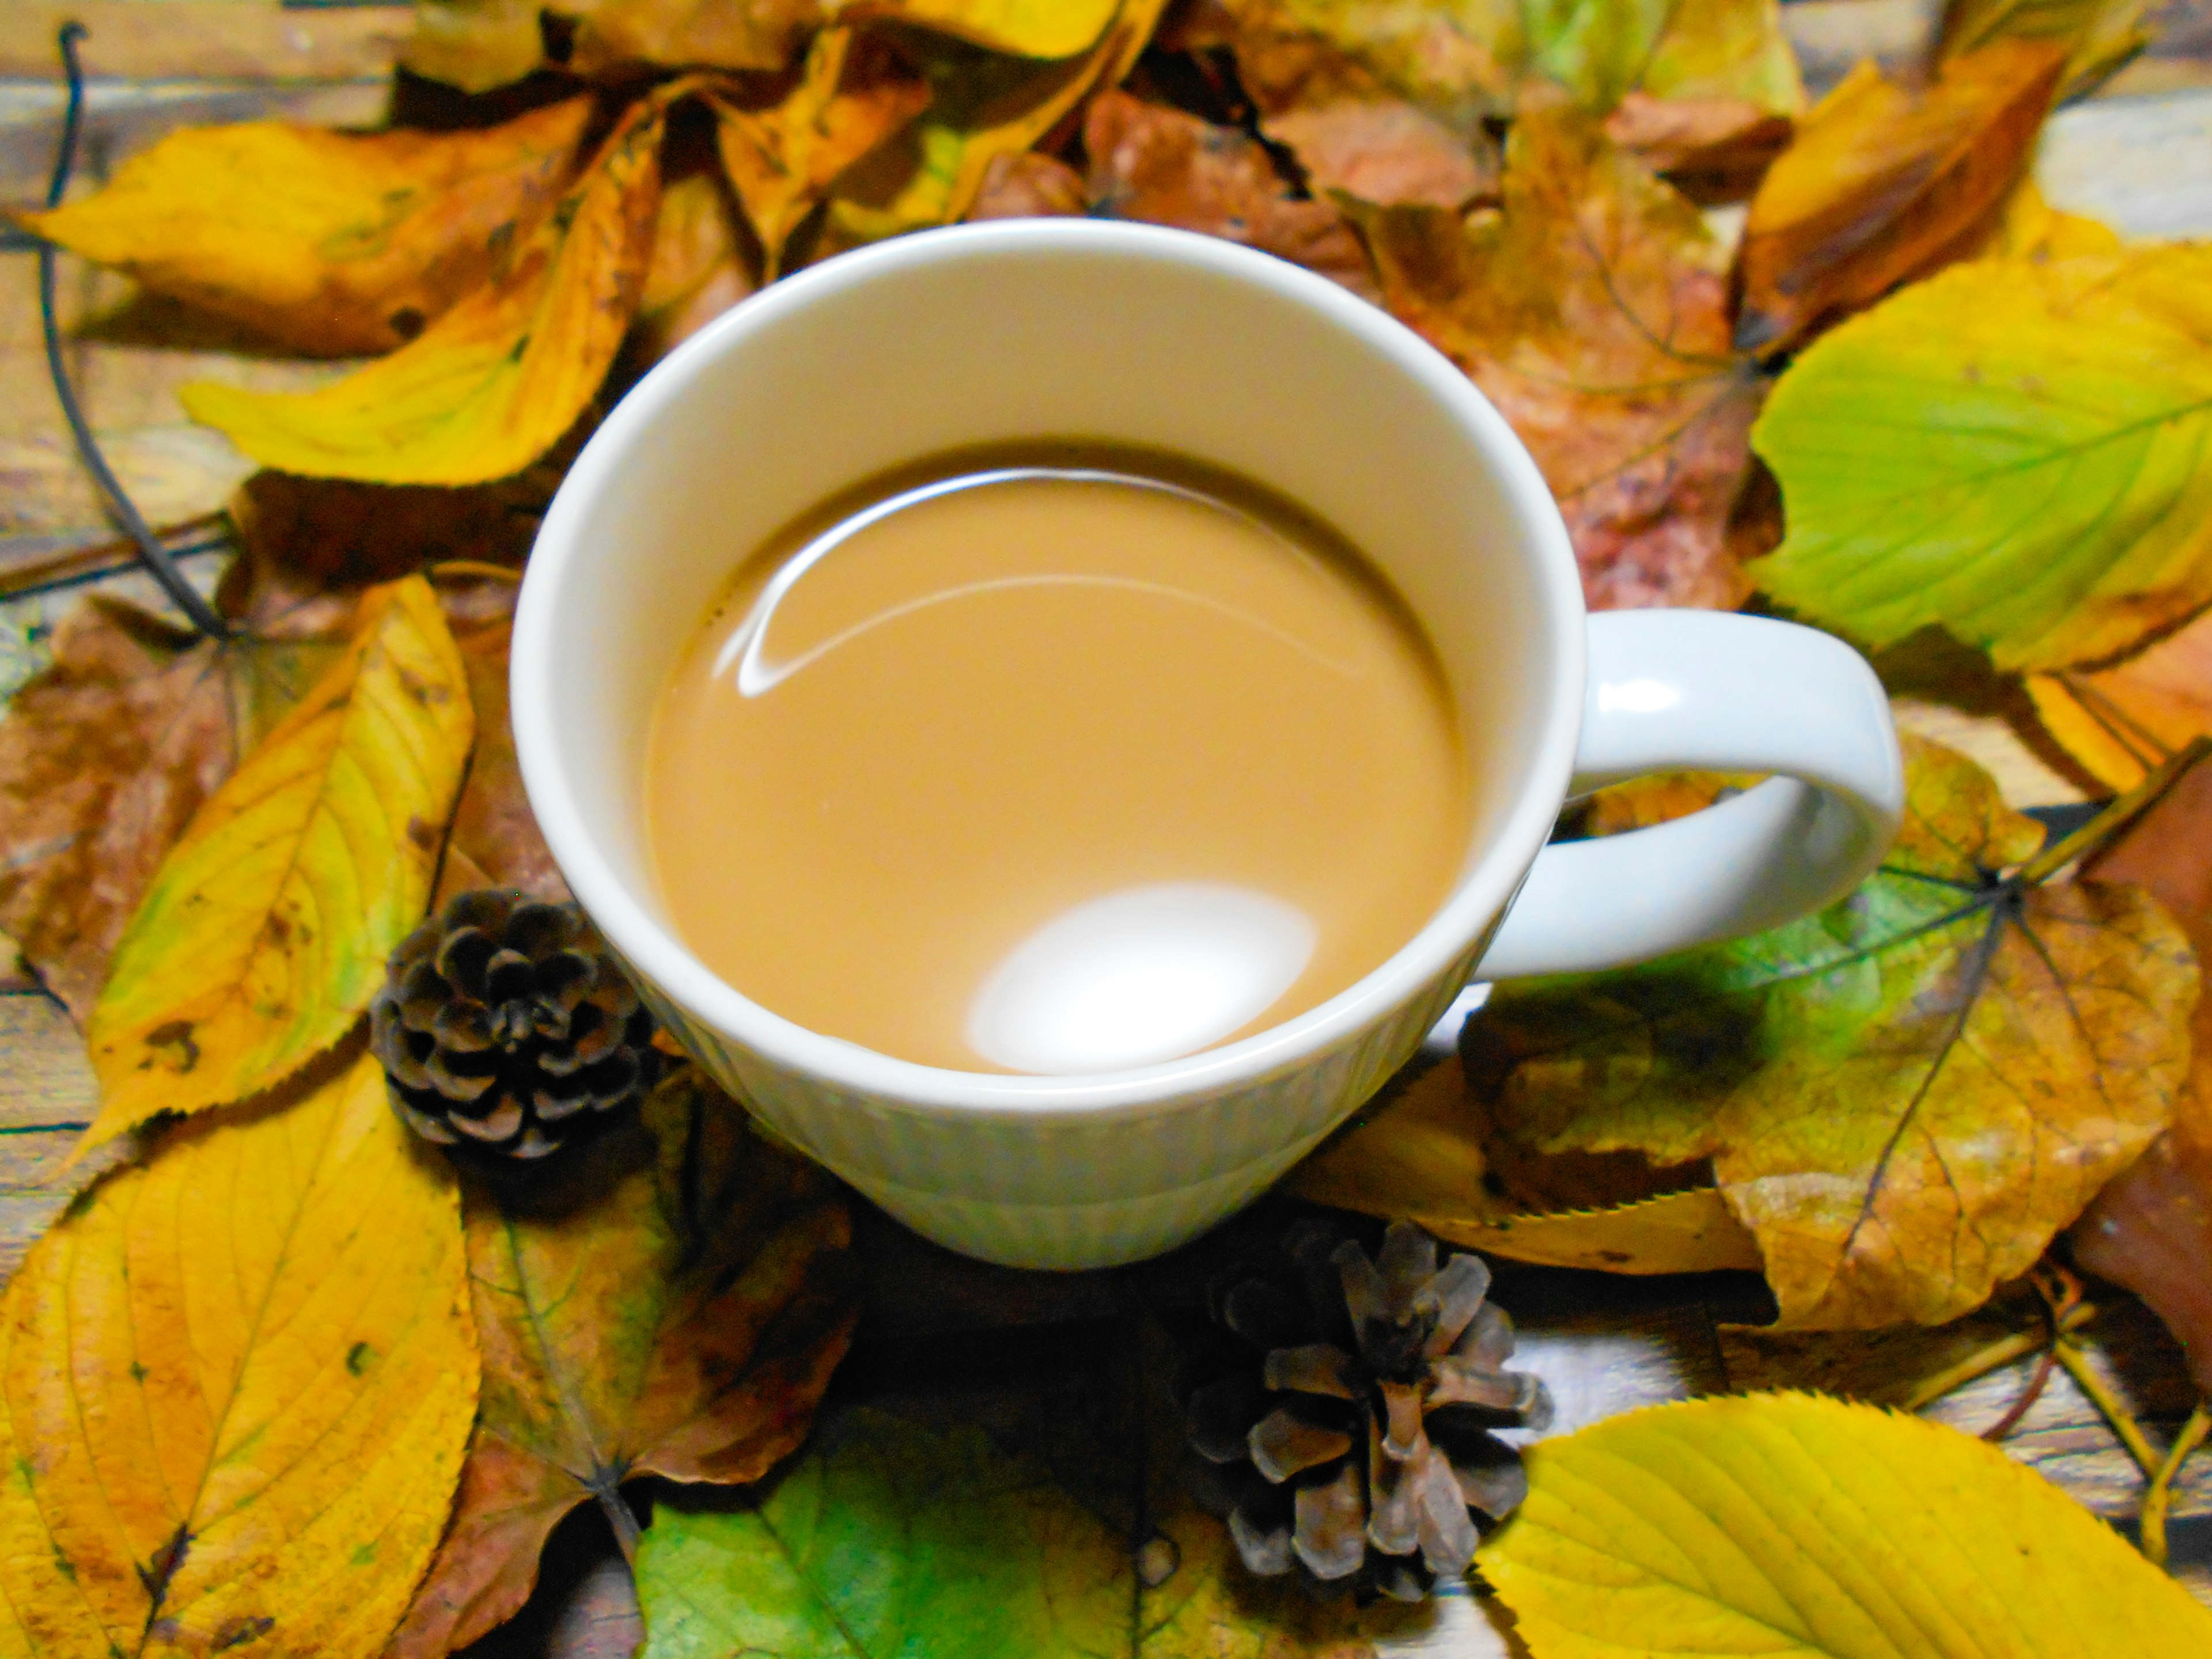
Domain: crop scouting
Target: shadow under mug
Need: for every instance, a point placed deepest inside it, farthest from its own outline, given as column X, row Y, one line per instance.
column 1056, row 328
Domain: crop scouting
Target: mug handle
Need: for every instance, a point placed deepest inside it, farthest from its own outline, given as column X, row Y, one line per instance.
column 1711, row 691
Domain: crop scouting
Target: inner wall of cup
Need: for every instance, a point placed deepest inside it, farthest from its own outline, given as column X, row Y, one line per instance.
column 815, row 386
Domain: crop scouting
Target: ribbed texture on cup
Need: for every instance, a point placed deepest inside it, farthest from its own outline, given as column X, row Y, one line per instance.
column 1068, row 1188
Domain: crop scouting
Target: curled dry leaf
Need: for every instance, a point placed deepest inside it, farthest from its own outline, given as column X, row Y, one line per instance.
column 2151, row 1229
column 1713, row 149
column 1026, row 28
column 1387, row 152
column 1416, row 1152
column 1905, row 1096
column 1792, row 1523
column 613, row 35
column 1028, row 185
column 1885, row 183
column 1593, row 310
column 237, row 1384
column 498, row 380
column 2098, row 35
column 2014, row 450
column 1164, row 167
column 474, row 45
column 781, row 160
column 682, row 1320
column 265, row 932
column 495, row 840
column 698, row 268
column 982, row 106
column 336, row 244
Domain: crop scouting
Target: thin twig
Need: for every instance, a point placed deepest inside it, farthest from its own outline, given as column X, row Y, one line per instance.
column 202, row 616
column 2122, row 1421
column 2038, row 1381
column 2153, row 1528
column 1995, row 1356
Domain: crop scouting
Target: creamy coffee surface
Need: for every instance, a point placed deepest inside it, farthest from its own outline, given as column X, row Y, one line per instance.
column 1064, row 761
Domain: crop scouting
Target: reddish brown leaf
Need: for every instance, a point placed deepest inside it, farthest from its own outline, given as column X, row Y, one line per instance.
column 1713, row 149
column 674, row 1308
column 495, row 841
column 1028, row 186
column 1386, row 151
column 1593, row 311
column 1885, row 183
column 1168, row 168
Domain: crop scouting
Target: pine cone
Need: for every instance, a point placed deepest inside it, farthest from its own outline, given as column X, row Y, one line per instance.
column 1348, row 1423
column 508, row 1030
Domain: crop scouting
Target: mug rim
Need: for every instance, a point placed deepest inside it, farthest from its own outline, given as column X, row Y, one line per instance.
column 656, row 955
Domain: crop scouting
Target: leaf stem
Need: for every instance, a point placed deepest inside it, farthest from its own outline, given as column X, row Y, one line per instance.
column 1995, row 1356
column 2117, row 816
column 2115, row 1411
column 2154, row 1501
column 623, row 1519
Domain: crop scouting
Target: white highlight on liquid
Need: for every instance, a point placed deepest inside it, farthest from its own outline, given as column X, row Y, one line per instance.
column 1138, row 977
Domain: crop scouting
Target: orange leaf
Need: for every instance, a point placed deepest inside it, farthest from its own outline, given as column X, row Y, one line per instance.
column 2120, row 722
column 337, row 244
column 1593, row 311
column 676, row 1311
column 1386, row 151
column 759, row 34
column 238, row 1384
column 1885, row 183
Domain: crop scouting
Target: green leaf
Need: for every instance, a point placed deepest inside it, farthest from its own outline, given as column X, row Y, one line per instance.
column 1789, row 1524
column 1905, row 1096
column 2020, row 452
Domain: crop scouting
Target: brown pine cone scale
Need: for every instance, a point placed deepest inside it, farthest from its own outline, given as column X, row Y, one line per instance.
column 508, row 1030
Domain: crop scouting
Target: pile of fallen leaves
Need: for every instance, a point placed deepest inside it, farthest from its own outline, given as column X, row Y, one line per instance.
column 279, row 1381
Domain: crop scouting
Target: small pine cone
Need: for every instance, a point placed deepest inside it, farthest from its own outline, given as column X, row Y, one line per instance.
column 1346, row 1414
column 508, row 1030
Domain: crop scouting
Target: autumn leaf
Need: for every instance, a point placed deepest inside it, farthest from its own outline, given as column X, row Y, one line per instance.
column 1593, row 310
column 2029, row 228
column 474, row 45
column 1416, row 1152
column 2120, row 722
column 1713, row 149
column 498, row 379
column 614, row 35
column 1026, row 28
column 334, row 244
column 1904, row 1097
column 781, row 160
column 1603, row 50
column 699, row 267
column 237, row 1384
column 1885, row 183
column 266, row 930
column 1790, row 1523
column 1028, row 186
column 982, row 106
column 2014, row 450
column 2098, row 35
column 888, row 1536
column 1388, row 152
column 495, row 840
column 1163, row 166
column 682, row 1320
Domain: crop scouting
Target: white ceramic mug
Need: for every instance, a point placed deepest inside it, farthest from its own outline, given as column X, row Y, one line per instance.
column 1057, row 328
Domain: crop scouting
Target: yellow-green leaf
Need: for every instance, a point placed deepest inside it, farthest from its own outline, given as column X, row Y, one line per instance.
column 496, row 381
column 265, row 932
column 237, row 1385
column 1905, row 1096
column 333, row 243
column 2017, row 451
column 1791, row 1524
column 1603, row 50
column 1026, row 28
column 982, row 106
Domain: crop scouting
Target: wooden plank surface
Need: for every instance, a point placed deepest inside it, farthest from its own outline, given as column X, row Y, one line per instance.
column 207, row 39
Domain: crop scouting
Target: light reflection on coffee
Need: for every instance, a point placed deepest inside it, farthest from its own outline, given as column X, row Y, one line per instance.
column 1065, row 760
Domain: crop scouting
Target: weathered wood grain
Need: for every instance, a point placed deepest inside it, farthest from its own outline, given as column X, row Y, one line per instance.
column 207, row 39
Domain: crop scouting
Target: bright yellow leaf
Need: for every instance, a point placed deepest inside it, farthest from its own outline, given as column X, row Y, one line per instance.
column 338, row 244
column 238, row 1382
column 265, row 932
column 2031, row 228
column 780, row 159
column 1796, row 1525
column 495, row 382
column 2120, row 722
column 1026, row 28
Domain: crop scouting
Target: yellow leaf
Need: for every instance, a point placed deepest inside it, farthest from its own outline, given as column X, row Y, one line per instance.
column 333, row 243
column 237, row 1384
column 475, row 45
column 758, row 34
column 982, row 107
column 2098, row 35
column 782, row 160
column 1791, row 1524
column 2031, row 228
column 1026, row 28
column 265, row 932
column 495, row 381
column 2121, row 721
column 1418, row 1153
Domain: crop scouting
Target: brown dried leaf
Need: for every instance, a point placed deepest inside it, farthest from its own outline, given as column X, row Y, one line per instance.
column 675, row 1308
column 698, row 268
column 756, row 34
column 1713, row 149
column 1387, row 152
column 495, row 840
column 1885, row 183
column 853, row 94
column 1593, row 311
column 1164, row 167
column 2120, row 722
column 1028, row 186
